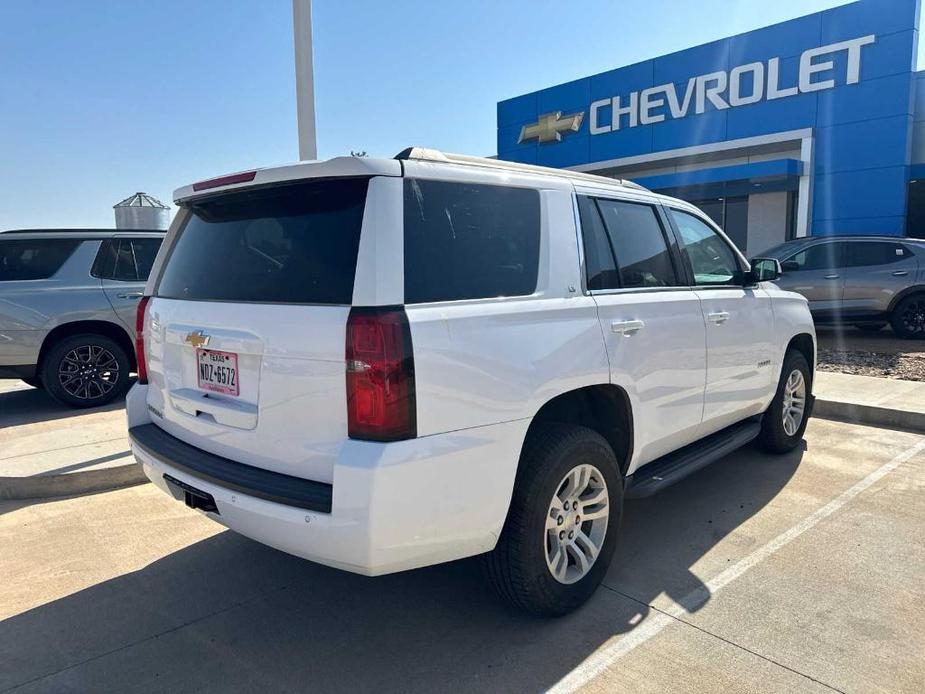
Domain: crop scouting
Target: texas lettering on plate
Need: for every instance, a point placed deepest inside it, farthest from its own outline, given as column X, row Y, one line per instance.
column 218, row 371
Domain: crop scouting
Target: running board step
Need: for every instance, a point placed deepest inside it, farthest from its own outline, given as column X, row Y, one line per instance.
column 674, row 467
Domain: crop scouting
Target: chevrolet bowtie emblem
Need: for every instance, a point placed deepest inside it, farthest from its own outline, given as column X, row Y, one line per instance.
column 198, row 339
column 549, row 128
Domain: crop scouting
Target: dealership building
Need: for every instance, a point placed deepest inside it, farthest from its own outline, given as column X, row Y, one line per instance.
column 815, row 126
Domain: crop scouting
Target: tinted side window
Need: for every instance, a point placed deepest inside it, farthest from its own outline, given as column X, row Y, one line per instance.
column 600, row 266
column 822, row 256
column 469, row 241
column 145, row 251
column 638, row 243
column 38, row 259
column 711, row 258
column 875, row 253
column 105, row 261
column 125, row 262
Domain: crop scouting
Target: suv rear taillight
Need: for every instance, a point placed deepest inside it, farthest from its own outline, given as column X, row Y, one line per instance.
column 380, row 375
column 140, row 339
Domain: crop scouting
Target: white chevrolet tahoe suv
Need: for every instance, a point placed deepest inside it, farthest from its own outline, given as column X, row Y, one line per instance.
column 384, row 364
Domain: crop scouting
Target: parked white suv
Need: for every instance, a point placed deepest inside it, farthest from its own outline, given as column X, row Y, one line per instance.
column 384, row 364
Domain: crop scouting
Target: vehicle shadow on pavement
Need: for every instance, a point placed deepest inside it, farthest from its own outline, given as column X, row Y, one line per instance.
column 664, row 536
column 32, row 405
column 229, row 614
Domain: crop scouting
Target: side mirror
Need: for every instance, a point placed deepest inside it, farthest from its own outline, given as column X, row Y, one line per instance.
column 764, row 270
column 790, row 266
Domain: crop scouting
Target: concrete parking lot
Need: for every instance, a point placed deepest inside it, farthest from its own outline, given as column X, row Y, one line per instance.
column 47, row 449
column 760, row 573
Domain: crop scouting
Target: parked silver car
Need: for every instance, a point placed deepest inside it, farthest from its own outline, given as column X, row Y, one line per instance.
column 866, row 281
column 67, row 309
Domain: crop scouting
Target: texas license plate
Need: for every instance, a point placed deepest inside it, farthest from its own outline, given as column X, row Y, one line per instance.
column 218, row 371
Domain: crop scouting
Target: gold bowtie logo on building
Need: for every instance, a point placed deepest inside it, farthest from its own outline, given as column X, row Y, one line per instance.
column 551, row 127
column 198, row 339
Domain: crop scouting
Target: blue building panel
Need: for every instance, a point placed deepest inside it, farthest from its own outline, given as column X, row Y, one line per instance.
column 868, row 193
column 783, row 40
column 868, row 17
column 862, row 145
column 856, row 99
column 893, row 54
column 918, row 96
column 786, row 114
column 677, row 66
column 703, row 129
column 880, row 98
column 511, row 135
column 568, row 97
column 572, row 151
column 872, row 226
column 623, row 80
column 520, row 109
column 628, row 142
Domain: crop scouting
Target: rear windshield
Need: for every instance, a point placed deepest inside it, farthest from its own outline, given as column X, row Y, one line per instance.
column 36, row 259
column 291, row 244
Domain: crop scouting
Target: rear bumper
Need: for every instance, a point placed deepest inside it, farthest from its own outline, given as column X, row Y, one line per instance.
column 393, row 506
column 253, row 481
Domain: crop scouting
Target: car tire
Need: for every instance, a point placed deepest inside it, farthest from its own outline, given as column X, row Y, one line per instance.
column 908, row 319
column 555, row 464
column 781, row 430
column 86, row 371
column 34, row 382
column 871, row 327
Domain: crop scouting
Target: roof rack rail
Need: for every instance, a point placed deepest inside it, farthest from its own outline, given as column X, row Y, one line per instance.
column 426, row 154
column 87, row 230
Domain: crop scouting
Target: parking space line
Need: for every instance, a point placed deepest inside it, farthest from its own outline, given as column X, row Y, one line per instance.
column 64, row 448
column 653, row 625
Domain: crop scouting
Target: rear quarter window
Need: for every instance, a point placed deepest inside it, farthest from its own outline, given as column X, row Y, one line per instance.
column 288, row 244
column 36, row 259
column 868, row 253
column 469, row 241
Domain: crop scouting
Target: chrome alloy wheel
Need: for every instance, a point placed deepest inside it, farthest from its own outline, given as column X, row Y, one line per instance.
column 88, row 372
column 576, row 524
column 794, row 402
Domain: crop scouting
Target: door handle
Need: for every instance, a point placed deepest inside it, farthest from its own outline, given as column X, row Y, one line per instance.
column 900, row 273
column 718, row 317
column 831, row 277
column 627, row 327
column 130, row 295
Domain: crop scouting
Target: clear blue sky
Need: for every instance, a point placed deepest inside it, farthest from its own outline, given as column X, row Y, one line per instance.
column 101, row 98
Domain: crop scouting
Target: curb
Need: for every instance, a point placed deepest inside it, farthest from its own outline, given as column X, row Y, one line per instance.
column 71, row 484
column 869, row 414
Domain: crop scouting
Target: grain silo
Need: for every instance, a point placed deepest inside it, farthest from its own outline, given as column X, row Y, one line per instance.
column 141, row 211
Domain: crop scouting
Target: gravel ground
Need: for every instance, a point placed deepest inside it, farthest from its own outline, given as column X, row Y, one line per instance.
column 880, row 354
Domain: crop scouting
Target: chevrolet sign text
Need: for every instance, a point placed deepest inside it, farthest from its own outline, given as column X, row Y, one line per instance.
column 741, row 86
